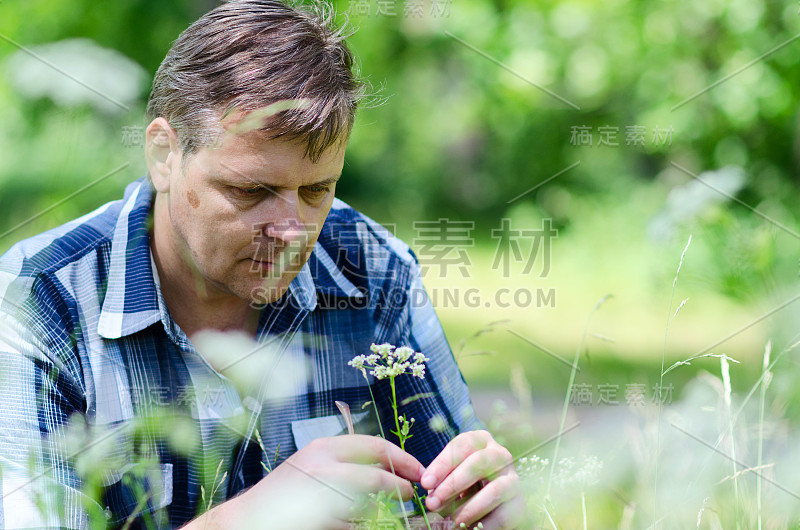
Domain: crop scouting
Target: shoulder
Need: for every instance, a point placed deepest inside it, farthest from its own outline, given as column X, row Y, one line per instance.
column 43, row 277
column 346, row 225
column 55, row 249
column 58, row 248
column 364, row 251
column 44, row 266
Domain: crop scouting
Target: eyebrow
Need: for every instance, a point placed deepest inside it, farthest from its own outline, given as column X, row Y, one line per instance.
column 328, row 181
column 324, row 182
column 220, row 176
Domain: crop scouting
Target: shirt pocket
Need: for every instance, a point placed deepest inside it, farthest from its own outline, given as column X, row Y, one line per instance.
column 305, row 431
column 142, row 491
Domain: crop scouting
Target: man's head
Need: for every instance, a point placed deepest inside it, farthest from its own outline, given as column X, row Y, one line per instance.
column 251, row 110
column 248, row 54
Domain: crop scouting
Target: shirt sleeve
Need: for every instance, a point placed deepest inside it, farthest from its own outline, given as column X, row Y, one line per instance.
column 38, row 485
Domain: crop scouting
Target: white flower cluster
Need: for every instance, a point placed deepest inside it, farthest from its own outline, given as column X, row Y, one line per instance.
column 531, row 466
column 388, row 361
column 578, row 473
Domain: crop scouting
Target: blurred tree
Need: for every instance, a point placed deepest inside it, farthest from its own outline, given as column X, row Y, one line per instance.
column 483, row 101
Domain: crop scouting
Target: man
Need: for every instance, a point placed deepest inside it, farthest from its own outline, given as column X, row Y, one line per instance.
column 104, row 321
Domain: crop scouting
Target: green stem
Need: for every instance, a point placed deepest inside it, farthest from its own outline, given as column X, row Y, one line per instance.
column 421, row 507
column 396, row 417
column 583, row 507
column 383, row 435
column 402, row 439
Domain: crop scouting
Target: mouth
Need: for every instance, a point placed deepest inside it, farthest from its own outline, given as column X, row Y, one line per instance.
column 261, row 265
column 279, row 260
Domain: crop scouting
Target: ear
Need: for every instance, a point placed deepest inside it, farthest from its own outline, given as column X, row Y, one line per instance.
column 162, row 153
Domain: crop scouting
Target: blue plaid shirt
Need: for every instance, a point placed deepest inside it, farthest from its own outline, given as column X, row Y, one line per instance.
column 90, row 359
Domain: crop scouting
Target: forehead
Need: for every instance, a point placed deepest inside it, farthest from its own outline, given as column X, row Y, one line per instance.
column 256, row 156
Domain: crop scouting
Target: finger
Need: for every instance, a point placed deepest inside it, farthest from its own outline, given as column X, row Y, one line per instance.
column 365, row 479
column 332, row 502
column 359, row 448
column 453, row 454
column 401, row 464
column 483, row 465
column 492, row 502
column 510, row 515
column 459, row 501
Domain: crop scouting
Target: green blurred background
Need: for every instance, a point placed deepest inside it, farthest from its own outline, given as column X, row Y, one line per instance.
column 483, row 103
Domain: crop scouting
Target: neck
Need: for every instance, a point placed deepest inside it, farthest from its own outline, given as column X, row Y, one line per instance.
column 194, row 303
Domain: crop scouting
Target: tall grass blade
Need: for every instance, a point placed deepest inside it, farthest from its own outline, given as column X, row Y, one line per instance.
column 670, row 316
column 726, row 386
column 766, row 378
column 568, row 395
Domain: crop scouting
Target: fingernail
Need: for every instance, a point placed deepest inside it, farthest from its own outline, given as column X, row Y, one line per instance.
column 428, row 481
column 433, row 503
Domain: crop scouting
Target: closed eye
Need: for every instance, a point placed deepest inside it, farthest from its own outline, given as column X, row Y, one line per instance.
column 248, row 193
column 318, row 189
column 316, row 193
column 321, row 189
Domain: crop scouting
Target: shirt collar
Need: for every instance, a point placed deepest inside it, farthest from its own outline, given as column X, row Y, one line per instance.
column 327, row 277
column 131, row 301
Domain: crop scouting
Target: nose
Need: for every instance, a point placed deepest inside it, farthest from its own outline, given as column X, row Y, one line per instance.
column 283, row 220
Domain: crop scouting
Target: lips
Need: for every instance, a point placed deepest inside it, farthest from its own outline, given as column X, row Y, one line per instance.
column 280, row 257
column 262, row 263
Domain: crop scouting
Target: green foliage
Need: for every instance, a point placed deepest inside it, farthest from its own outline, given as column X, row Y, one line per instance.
column 460, row 136
column 457, row 134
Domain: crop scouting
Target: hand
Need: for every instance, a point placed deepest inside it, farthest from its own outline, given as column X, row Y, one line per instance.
column 476, row 476
column 317, row 486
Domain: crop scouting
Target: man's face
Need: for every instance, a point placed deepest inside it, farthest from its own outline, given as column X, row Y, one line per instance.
column 245, row 215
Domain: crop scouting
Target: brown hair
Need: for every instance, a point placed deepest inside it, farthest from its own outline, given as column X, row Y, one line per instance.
column 246, row 55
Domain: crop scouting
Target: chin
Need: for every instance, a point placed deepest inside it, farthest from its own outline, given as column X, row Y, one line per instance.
column 259, row 290
column 262, row 295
